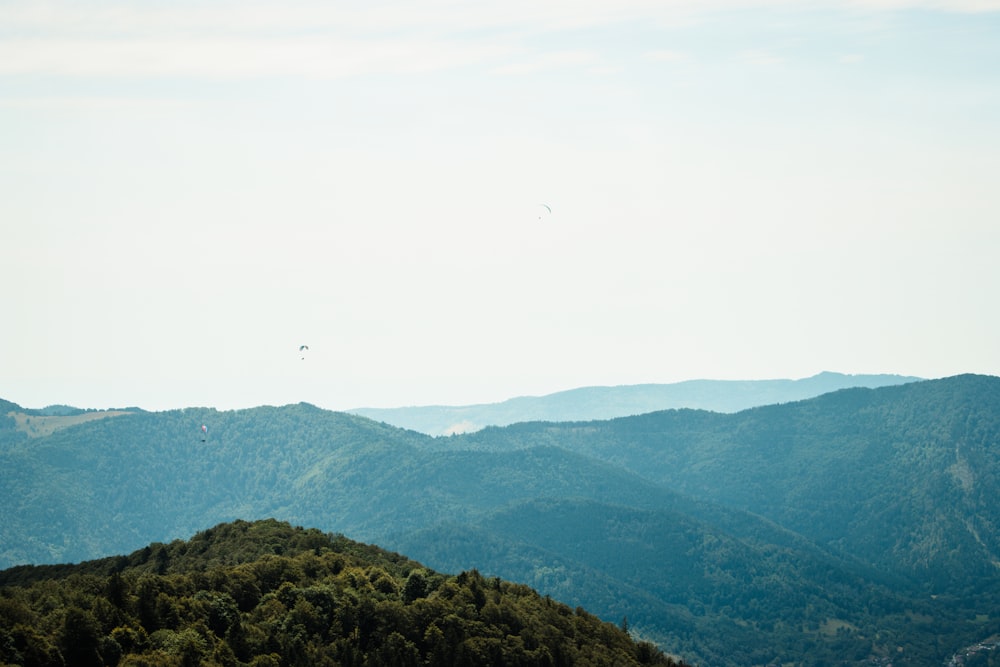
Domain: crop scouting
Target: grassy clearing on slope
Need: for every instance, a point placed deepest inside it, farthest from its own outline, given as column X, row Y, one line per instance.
column 36, row 426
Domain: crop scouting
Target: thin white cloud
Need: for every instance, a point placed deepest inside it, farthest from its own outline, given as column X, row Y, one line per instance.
column 96, row 103
column 351, row 16
column 957, row 6
column 760, row 57
column 358, row 17
column 547, row 61
column 440, row 16
column 340, row 39
column 605, row 70
column 667, row 55
column 229, row 57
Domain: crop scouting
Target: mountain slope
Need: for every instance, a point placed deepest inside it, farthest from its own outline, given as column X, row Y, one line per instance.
column 591, row 403
column 907, row 478
column 111, row 485
column 662, row 569
column 108, row 486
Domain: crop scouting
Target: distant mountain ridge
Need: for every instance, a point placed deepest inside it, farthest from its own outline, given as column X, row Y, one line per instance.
column 593, row 403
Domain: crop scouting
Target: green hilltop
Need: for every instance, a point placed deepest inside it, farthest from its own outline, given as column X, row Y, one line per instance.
column 269, row 594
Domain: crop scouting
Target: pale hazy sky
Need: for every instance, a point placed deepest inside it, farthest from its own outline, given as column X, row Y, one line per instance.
column 739, row 190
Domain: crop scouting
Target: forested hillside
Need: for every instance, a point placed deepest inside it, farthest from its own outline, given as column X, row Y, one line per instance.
column 861, row 523
column 906, row 478
column 267, row 594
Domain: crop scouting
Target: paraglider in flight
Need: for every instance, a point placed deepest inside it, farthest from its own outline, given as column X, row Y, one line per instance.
column 303, row 349
column 547, row 211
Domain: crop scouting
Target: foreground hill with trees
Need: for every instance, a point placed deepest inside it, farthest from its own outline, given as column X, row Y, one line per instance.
column 858, row 527
column 268, row 594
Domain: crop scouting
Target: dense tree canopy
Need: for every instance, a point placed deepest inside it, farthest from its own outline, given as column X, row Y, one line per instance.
column 265, row 593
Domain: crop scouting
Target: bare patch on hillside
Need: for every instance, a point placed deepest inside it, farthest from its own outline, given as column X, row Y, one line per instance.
column 36, row 426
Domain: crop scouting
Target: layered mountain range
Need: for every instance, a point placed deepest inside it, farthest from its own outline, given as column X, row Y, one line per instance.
column 860, row 526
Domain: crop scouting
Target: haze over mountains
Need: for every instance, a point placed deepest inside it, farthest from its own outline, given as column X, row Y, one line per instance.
column 861, row 526
column 587, row 403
